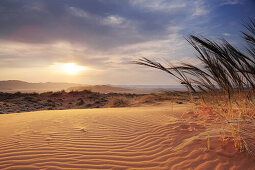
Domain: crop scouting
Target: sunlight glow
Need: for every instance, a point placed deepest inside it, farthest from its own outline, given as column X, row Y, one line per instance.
column 72, row 68
column 68, row 68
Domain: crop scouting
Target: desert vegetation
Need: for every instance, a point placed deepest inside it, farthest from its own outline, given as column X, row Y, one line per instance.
column 225, row 84
column 60, row 100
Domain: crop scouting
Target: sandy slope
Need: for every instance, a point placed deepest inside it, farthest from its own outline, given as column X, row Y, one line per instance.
column 121, row 138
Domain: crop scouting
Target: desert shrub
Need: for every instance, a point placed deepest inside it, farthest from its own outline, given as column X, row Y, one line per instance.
column 89, row 105
column 49, row 101
column 87, row 92
column 118, row 102
column 151, row 98
column 58, row 93
column 18, row 93
column 60, row 100
column 30, row 99
column 80, row 102
column 226, row 77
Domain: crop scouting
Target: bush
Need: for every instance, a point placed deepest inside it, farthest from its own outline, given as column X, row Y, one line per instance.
column 118, row 102
column 80, row 102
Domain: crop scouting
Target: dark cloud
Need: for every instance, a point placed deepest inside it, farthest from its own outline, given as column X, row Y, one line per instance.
column 84, row 22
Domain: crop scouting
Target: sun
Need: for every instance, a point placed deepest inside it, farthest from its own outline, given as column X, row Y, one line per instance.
column 72, row 68
column 68, row 68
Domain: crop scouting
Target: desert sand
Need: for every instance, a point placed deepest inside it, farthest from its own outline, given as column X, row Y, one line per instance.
column 149, row 137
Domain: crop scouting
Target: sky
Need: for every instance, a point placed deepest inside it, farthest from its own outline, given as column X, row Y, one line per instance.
column 95, row 41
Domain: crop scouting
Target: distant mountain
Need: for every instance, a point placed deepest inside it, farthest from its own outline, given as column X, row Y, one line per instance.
column 17, row 85
column 22, row 86
column 118, row 89
column 102, row 89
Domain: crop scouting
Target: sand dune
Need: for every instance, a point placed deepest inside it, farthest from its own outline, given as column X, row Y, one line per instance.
column 153, row 137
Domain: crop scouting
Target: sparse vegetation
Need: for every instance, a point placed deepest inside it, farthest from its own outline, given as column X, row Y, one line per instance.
column 118, row 102
column 25, row 102
column 80, row 102
column 225, row 81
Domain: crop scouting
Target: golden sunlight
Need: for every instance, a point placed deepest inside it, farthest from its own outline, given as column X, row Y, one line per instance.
column 68, row 68
column 72, row 68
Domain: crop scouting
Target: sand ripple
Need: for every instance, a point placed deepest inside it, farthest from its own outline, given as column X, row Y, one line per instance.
column 123, row 138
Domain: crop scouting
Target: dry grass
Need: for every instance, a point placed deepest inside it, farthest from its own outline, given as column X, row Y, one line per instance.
column 226, row 84
column 118, row 101
column 232, row 119
column 238, row 115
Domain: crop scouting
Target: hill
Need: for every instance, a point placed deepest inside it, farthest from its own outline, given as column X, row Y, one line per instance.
column 17, row 85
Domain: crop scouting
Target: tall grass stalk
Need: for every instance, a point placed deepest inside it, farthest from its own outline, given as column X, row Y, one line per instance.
column 226, row 77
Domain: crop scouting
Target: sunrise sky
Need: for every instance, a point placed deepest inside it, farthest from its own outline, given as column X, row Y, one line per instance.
column 94, row 41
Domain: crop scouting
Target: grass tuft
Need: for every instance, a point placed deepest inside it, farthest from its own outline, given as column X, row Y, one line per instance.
column 225, row 80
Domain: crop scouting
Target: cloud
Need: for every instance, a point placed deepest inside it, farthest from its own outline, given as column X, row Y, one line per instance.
column 226, row 34
column 35, row 7
column 94, row 24
column 65, row 32
column 231, row 2
column 194, row 8
column 159, row 5
column 18, row 54
column 113, row 20
column 77, row 12
column 105, row 35
column 200, row 8
column 169, row 48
